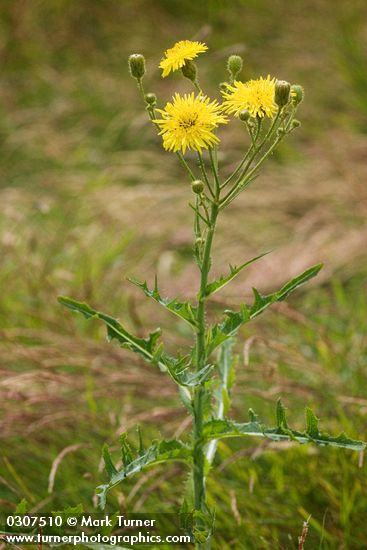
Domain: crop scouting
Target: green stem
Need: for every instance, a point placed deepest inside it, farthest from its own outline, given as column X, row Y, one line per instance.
column 201, row 358
column 232, row 193
column 186, row 166
column 149, row 108
column 250, row 150
column 204, row 174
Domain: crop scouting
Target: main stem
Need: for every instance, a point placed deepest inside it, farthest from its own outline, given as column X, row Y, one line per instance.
column 201, row 358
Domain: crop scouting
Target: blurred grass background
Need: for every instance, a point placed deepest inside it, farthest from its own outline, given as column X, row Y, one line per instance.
column 88, row 197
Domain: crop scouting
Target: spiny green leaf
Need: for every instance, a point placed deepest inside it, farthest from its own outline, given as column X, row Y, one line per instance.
column 234, row 271
column 262, row 302
column 158, row 452
column 219, row 429
column 184, row 310
column 148, row 348
column 142, row 346
column 220, row 332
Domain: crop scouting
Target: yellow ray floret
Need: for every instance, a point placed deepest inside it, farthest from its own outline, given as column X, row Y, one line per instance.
column 182, row 51
column 257, row 96
column 188, row 123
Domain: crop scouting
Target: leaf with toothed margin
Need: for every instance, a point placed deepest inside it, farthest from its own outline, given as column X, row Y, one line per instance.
column 147, row 347
column 178, row 368
column 233, row 272
column 262, row 302
column 220, row 429
column 227, row 328
column 158, row 452
column 184, row 310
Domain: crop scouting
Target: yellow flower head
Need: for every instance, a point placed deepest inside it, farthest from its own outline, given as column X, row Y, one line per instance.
column 188, row 123
column 182, row 51
column 257, row 96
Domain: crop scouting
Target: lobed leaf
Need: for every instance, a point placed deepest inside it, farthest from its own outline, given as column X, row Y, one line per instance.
column 184, row 310
column 220, row 429
column 220, row 332
column 262, row 302
column 148, row 348
column 234, row 271
column 158, row 452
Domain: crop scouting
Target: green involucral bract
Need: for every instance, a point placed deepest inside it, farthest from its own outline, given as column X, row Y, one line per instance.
column 264, row 109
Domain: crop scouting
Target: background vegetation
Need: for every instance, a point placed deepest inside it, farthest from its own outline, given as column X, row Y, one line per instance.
column 88, row 197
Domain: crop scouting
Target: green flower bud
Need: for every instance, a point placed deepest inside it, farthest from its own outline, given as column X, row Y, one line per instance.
column 234, row 65
column 197, row 186
column 137, row 65
column 199, row 241
column 189, row 70
column 297, row 94
column 244, row 115
column 295, row 123
column 151, row 99
column 282, row 91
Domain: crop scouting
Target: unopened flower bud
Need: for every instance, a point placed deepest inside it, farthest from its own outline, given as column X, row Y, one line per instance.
column 199, row 241
column 282, row 91
column 244, row 115
column 297, row 94
column 234, row 65
column 151, row 99
column 197, row 186
column 189, row 70
column 295, row 123
column 137, row 65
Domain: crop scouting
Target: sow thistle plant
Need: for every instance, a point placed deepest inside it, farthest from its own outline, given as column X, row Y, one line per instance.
column 266, row 109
